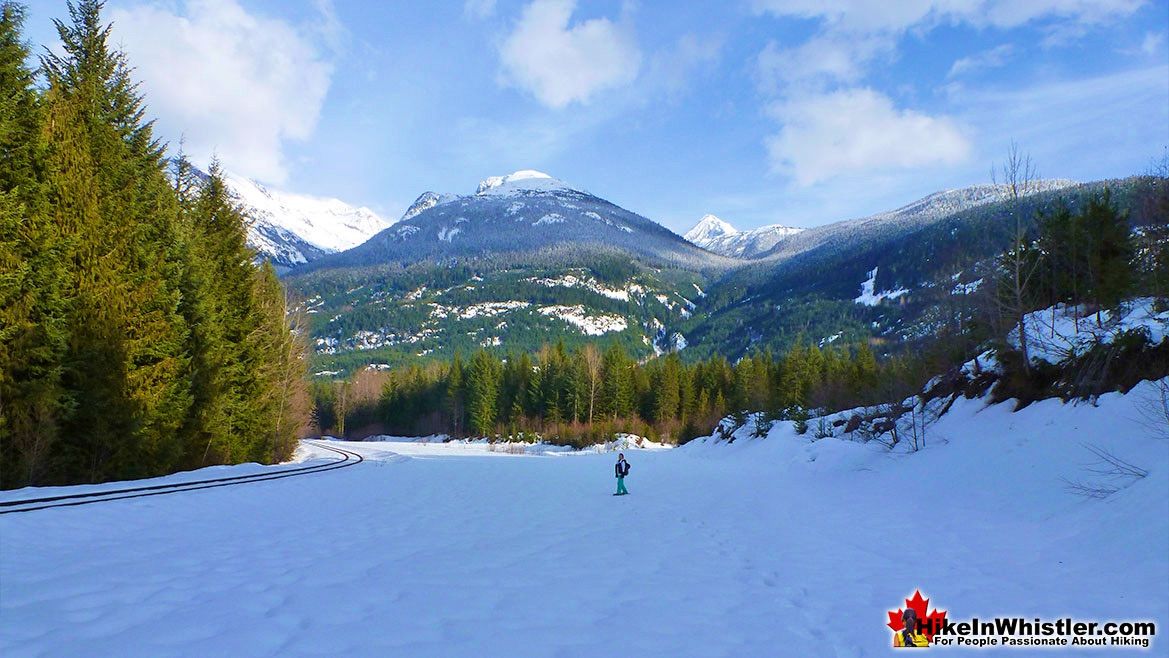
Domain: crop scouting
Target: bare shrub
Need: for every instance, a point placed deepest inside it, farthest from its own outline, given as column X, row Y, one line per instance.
column 1153, row 408
column 1108, row 474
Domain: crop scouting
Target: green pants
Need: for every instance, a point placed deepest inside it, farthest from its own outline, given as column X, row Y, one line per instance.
column 621, row 486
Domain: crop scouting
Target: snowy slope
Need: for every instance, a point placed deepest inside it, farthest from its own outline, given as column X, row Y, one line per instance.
column 1062, row 332
column 776, row 546
column 713, row 234
column 296, row 228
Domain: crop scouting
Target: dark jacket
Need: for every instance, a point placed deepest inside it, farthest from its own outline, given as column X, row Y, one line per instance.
column 622, row 468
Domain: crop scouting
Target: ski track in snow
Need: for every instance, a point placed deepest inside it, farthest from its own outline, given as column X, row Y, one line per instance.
column 781, row 546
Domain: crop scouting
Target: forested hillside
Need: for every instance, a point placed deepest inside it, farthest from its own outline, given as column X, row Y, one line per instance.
column 1077, row 256
column 395, row 314
column 923, row 277
column 136, row 336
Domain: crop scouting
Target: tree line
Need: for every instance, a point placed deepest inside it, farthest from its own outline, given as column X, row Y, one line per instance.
column 587, row 395
column 137, row 336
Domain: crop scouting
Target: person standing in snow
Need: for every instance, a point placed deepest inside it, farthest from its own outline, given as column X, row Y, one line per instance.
column 622, row 470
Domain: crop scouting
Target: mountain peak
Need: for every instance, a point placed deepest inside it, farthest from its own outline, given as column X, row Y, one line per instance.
column 290, row 228
column 425, row 201
column 524, row 180
column 713, row 234
column 708, row 228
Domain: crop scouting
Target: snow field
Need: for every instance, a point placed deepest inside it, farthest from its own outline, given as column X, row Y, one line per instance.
column 763, row 547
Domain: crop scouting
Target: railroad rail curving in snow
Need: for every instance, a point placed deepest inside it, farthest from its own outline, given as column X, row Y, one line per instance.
column 348, row 458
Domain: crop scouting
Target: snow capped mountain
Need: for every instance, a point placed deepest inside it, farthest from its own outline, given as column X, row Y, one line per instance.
column 291, row 229
column 713, row 234
column 523, row 212
column 709, row 228
column 523, row 181
column 426, row 201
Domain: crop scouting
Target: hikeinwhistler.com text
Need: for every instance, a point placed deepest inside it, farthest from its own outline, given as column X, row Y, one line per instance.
column 1020, row 632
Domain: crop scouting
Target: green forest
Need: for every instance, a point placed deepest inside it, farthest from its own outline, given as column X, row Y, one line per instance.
column 137, row 336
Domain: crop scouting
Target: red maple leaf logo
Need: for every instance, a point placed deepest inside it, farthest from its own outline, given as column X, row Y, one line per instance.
column 929, row 623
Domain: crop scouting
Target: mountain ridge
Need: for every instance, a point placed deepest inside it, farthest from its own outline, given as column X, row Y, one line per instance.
column 290, row 229
column 522, row 212
column 718, row 236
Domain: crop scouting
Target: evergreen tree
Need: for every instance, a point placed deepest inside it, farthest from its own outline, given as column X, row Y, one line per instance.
column 482, row 392
column 113, row 203
column 33, row 337
column 456, row 396
column 616, row 383
column 279, row 392
column 1110, row 252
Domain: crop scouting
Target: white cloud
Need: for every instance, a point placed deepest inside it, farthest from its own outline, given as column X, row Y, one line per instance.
column 1121, row 119
column 829, row 125
column 1152, row 43
column 671, row 70
column 479, row 8
column 827, row 135
column 820, row 60
column 232, row 83
column 560, row 64
column 987, row 59
column 884, row 16
column 851, row 15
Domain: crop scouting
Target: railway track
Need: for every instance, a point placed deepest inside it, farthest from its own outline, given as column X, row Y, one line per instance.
column 347, row 459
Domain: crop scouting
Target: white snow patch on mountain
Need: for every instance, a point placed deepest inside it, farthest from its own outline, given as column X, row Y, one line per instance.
column 869, row 297
column 966, row 288
column 592, row 325
column 327, row 223
column 482, row 309
column 583, row 281
column 525, row 180
column 550, row 218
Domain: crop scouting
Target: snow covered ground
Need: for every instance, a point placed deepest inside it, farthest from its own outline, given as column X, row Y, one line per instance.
column 1062, row 332
column 764, row 547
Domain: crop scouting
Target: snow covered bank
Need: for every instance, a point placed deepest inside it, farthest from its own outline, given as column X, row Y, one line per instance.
column 1057, row 334
column 775, row 546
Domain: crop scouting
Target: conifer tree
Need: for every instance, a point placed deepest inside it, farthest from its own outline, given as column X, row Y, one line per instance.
column 482, row 392
column 32, row 295
column 456, row 395
column 1110, row 251
column 616, row 383
column 113, row 203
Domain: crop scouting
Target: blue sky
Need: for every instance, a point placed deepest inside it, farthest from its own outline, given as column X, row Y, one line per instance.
column 798, row 112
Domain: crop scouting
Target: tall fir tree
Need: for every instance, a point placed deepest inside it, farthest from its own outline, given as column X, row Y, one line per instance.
column 113, row 203
column 482, row 392
column 33, row 336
